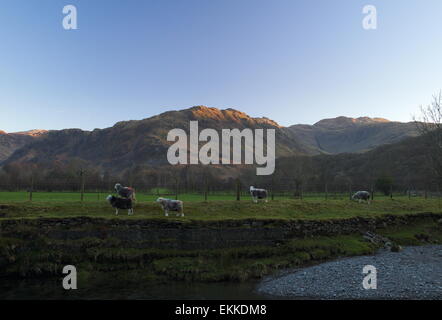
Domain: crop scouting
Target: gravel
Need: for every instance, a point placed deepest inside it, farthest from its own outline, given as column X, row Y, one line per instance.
column 414, row 273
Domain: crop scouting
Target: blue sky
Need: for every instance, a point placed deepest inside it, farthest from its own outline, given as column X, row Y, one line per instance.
column 294, row 61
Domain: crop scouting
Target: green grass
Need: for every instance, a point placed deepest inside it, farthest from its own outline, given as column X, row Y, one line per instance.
column 21, row 196
column 221, row 209
column 31, row 254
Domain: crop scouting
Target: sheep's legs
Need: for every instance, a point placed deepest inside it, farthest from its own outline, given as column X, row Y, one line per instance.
column 166, row 213
column 116, row 212
column 130, row 212
column 180, row 213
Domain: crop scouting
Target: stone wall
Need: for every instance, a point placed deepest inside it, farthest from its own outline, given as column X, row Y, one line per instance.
column 196, row 235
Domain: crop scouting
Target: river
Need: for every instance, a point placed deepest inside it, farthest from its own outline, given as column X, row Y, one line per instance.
column 52, row 289
column 414, row 273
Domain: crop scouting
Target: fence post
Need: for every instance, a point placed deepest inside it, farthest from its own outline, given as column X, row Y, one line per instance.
column 238, row 189
column 32, row 188
column 438, row 195
column 206, row 187
column 81, row 173
column 326, row 191
column 176, row 189
column 391, row 191
column 349, row 191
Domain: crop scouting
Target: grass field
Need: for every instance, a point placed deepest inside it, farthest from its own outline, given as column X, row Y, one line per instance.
column 219, row 207
column 104, row 260
column 22, row 196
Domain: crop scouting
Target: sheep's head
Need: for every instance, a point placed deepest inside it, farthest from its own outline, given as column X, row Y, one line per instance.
column 160, row 200
column 252, row 188
column 117, row 186
column 109, row 198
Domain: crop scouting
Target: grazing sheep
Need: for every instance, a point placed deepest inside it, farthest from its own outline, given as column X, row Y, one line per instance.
column 362, row 195
column 258, row 194
column 171, row 205
column 125, row 192
column 120, row 203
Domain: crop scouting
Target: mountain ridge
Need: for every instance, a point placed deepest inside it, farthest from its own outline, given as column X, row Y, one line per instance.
column 132, row 142
column 10, row 142
column 350, row 135
column 135, row 142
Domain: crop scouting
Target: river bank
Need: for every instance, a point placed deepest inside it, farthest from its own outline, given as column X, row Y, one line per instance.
column 118, row 254
column 414, row 273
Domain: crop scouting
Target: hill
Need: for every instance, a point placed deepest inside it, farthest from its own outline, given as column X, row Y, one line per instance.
column 136, row 142
column 143, row 142
column 342, row 134
column 10, row 142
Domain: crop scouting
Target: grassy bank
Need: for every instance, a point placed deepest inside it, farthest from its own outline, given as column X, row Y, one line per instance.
column 243, row 264
column 104, row 259
column 27, row 253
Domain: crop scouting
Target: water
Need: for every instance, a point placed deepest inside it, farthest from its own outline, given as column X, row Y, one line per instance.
column 43, row 289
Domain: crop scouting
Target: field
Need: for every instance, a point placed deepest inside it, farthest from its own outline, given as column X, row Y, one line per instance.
column 218, row 207
column 29, row 253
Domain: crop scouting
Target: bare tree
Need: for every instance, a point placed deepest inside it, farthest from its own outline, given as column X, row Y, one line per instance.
column 429, row 126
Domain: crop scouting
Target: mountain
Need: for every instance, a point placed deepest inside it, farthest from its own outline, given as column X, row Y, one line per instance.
column 137, row 142
column 342, row 134
column 10, row 142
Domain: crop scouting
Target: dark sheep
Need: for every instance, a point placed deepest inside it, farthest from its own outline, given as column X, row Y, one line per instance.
column 120, row 203
column 258, row 194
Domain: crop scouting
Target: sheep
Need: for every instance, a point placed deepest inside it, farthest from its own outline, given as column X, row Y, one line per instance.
column 125, row 192
column 258, row 194
column 171, row 205
column 120, row 203
column 362, row 195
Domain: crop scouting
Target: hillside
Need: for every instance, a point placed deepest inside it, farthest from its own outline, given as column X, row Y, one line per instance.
column 144, row 141
column 406, row 162
column 10, row 142
column 342, row 134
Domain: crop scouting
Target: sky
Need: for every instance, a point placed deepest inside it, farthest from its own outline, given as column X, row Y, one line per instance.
column 294, row 61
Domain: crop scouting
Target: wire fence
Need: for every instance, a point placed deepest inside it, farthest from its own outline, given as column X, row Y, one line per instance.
column 81, row 190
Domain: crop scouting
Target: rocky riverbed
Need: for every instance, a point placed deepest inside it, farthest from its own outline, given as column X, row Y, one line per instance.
column 413, row 273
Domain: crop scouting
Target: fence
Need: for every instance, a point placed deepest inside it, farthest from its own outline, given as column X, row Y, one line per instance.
column 75, row 190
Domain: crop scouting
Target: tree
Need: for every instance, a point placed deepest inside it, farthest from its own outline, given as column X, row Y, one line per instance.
column 384, row 184
column 430, row 127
